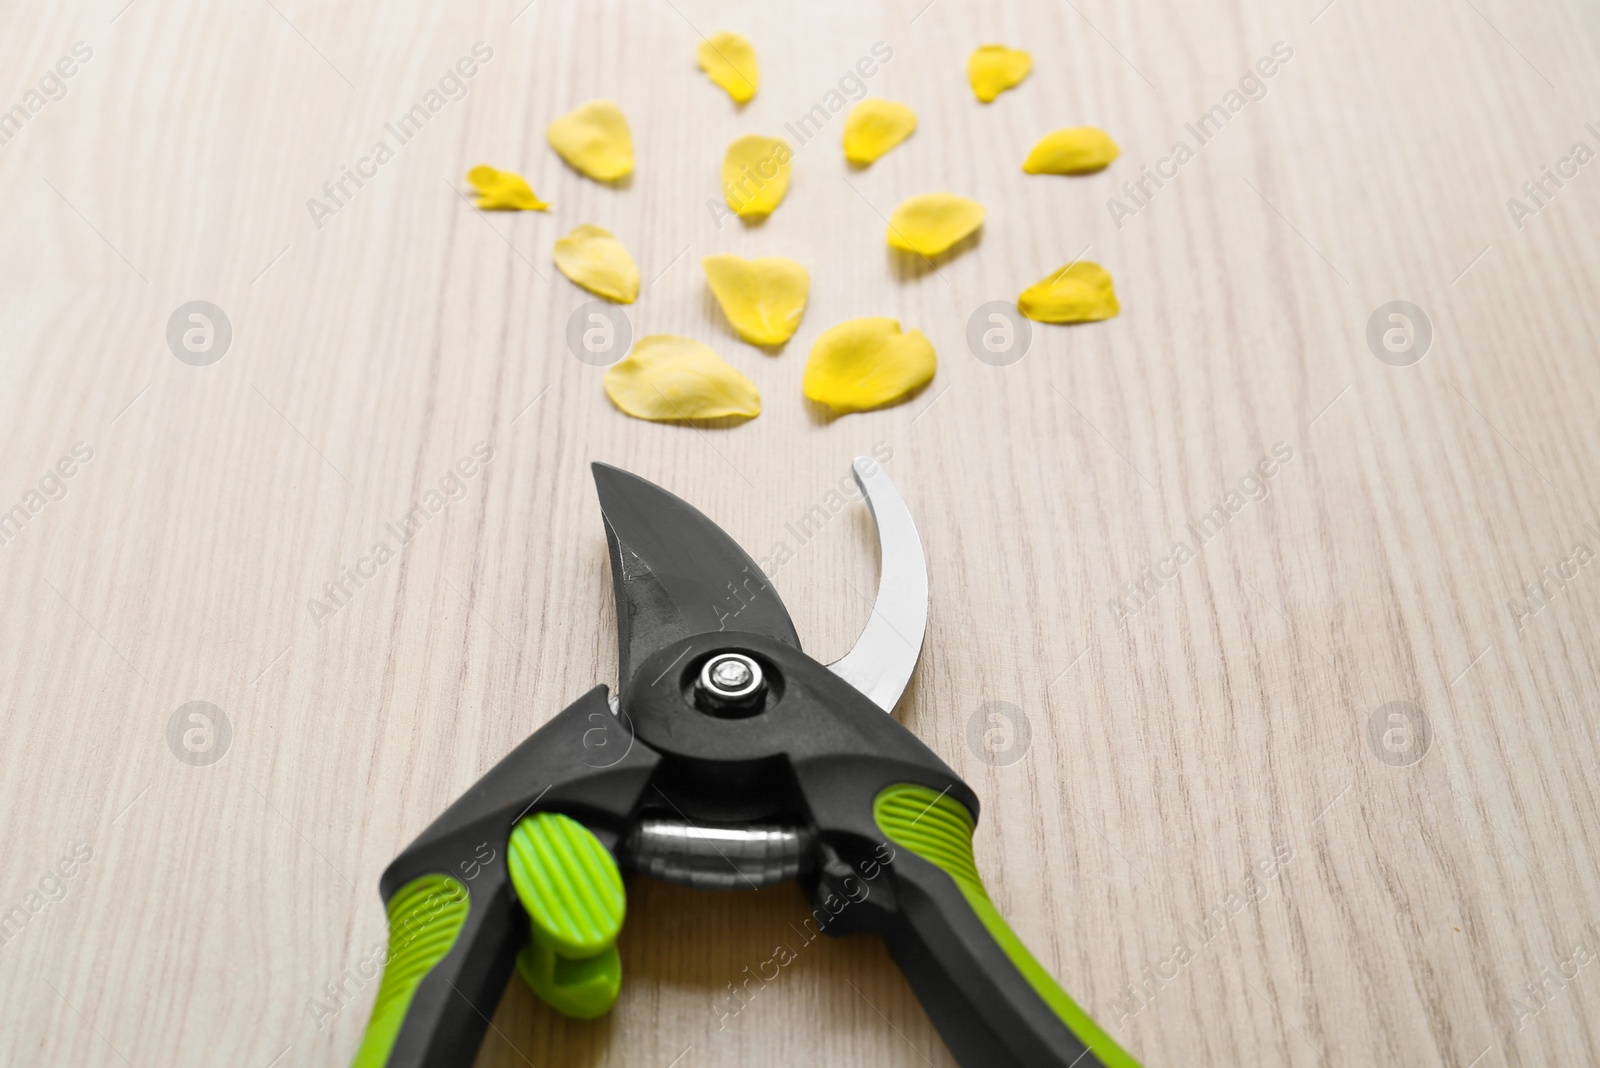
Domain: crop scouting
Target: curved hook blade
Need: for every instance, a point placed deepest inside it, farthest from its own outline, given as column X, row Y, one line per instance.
column 883, row 658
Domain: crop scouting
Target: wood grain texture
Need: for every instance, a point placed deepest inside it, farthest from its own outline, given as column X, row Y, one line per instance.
column 1170, row 753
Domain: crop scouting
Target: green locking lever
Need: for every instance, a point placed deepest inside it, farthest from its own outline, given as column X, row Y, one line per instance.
column 570, row 886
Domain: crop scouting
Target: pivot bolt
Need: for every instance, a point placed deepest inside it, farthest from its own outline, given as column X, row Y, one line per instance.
column 731, row 684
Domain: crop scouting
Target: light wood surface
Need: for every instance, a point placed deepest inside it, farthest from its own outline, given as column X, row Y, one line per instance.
column 1169, row 753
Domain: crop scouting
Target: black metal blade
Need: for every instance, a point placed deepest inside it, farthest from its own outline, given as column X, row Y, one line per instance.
column 677, row 574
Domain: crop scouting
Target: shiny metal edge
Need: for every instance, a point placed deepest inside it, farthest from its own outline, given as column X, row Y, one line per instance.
column 885, row 655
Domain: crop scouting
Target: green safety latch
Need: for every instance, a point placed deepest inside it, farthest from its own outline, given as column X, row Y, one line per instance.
column 572, row 890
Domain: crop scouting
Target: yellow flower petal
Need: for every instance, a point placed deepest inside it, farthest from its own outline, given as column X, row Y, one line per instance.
column 594, row 140
column 1078, row 150
column 597, row 261
column 867, row 363
column 1078, row 293
column 932, row 222
column 503, row 190
column 993, row 69
column 874, row 127
column 763, row 299
column 730, row 62
column 667, row 377
column 755, row 174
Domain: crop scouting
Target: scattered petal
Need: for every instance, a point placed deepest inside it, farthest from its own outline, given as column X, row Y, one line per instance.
column 874, row 127
column 867, row 363
column 755, row 174
column 503, row 190
column 1078, row 293
column 594, row 140
column 1078, row 150
column 993, row 69
column 763, row 299
column 667, row 377
column 597, row 261
column 730, row 62
column 932, row 222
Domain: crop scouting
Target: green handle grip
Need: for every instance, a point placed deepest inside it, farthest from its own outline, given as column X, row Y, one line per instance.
column 425, row 916
column 570, row 888
column 978, row 995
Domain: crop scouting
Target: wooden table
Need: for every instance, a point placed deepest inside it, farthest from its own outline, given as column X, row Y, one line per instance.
column 1321, row 791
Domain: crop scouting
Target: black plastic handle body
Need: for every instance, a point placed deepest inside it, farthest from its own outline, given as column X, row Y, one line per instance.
column 582, row 763
column 891, row 822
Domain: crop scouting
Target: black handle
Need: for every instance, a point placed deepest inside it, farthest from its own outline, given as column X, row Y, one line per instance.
column 455, row 924
column 983, row 1004
column 992, row 1002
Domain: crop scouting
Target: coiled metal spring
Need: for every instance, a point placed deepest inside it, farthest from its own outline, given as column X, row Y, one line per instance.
column 709, row 857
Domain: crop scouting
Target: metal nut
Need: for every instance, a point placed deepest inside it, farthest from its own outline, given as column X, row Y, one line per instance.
column 731, row 683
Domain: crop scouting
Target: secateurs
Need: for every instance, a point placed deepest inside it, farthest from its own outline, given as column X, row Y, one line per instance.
column 727, row 759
